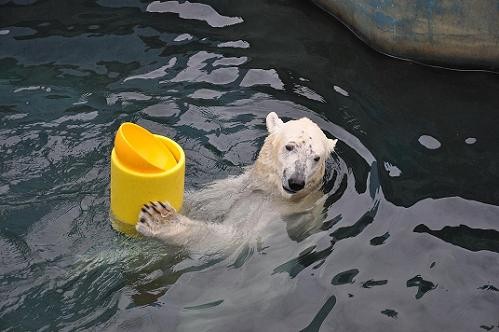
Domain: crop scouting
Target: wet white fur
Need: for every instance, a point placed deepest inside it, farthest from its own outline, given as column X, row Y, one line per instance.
column 238, row 210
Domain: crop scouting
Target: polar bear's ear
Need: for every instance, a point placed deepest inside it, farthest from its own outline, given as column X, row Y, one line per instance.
column 273, row 122
column 331, row 143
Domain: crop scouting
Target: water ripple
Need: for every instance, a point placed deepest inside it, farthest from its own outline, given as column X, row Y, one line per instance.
column 407, row 230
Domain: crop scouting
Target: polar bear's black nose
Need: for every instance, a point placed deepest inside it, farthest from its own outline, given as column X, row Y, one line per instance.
column 296, row 184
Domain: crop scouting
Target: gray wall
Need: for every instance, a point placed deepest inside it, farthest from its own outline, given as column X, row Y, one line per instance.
column 445, row 32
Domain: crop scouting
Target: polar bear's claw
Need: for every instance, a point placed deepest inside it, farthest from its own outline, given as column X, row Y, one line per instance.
column 154, row 216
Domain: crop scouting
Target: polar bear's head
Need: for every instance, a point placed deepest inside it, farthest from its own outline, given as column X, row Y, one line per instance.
column 296, row 152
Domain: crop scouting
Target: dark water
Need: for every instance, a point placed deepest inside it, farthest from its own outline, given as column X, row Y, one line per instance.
column 410, row 239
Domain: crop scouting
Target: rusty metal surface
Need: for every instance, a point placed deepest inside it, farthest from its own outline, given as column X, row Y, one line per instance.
column 441, row 32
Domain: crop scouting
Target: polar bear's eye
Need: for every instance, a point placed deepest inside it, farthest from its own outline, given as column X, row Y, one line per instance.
column 289, row 147
column 317, row 158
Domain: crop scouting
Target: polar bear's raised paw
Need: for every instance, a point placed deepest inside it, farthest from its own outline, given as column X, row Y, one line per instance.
column 155, row 217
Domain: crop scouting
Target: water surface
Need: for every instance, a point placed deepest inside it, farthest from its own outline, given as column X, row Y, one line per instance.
column 410, row 236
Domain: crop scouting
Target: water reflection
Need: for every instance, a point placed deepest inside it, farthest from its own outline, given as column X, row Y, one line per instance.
column 465, row 237
column 194, row 70
column 157, row 73
column 401, row 226
column 235, row 44
column 341, row 91
column 262, row 77
column 429, row 142
column 194, row 11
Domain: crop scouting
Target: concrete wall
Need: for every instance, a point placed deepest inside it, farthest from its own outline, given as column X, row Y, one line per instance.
column 460, row 33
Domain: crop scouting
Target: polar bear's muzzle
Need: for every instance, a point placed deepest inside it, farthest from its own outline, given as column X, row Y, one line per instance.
column 294, row 183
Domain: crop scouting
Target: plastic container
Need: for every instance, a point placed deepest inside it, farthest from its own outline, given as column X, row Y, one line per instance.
column 132, row 186
column 138, row 149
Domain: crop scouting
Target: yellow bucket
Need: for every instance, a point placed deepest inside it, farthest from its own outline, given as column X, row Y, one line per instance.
column 132, row 186
column 139, row 150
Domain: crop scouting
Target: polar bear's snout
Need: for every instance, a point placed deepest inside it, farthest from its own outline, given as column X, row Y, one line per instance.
column 295, row 183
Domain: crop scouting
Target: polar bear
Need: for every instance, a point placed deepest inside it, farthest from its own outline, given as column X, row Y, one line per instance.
column 286, row 178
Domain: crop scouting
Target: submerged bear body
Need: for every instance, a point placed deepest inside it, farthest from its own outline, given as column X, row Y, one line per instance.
column 285, row 179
